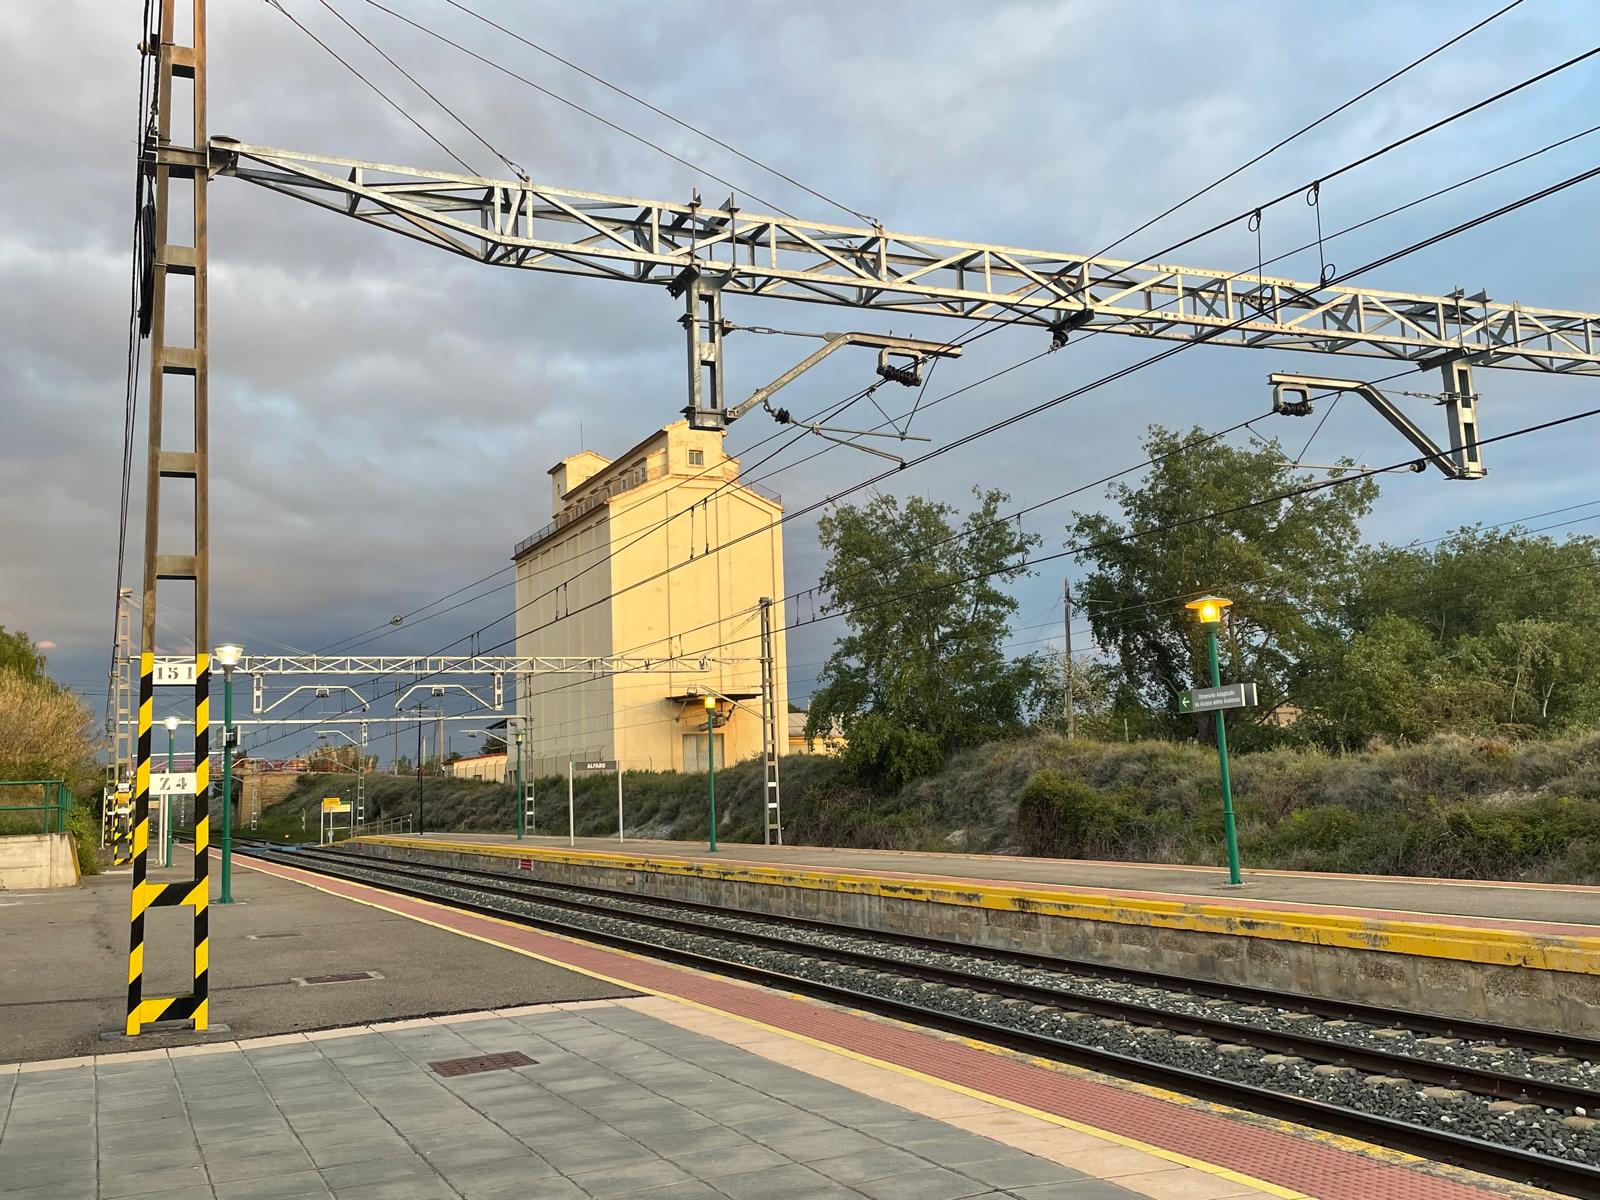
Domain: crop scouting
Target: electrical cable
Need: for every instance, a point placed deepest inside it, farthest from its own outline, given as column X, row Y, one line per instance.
column 489, row 62
column 381, row 94
column 1104, row 380
column 660, row 112
column 421, row 87
column 1080, row 549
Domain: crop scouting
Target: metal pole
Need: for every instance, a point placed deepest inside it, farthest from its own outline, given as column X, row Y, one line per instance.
column 522, row 799
column 572, row 829
column 619, row 801
column 1229, row 831
column 711, row 777
column 360, row 812
column 1066, row 610
column 227, row 787
column 419, row 770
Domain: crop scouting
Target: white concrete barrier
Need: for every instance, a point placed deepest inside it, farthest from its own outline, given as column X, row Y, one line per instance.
column 38, row 860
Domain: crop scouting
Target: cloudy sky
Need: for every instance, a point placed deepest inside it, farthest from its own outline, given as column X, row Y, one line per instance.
column 383, row 415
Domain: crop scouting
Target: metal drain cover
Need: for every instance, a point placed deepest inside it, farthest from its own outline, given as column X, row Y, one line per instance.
column 344, row 977
column 481, row 1063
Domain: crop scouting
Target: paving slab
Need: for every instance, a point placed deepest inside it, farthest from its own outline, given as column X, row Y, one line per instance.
column 599, row 1115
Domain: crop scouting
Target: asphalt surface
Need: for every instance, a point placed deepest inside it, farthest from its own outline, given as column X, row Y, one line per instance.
column 63, row 967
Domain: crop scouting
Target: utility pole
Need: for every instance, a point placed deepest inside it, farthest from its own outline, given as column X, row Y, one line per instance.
column 1066, row 614
column 419, row 770
column 772, row 814
column 167, row 156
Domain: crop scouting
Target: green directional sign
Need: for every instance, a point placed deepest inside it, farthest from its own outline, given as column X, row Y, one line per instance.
column 1215, row 699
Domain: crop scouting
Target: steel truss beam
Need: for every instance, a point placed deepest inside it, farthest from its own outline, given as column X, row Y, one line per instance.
column 513, row 223
column 471, row 665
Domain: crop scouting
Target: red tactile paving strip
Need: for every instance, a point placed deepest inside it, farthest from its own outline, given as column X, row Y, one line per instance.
column 1322, row 1171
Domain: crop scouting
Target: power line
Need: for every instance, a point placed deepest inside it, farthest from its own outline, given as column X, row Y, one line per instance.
column 416, row 83
column 661, row 112
column 381, row 94
column 1114, row 376
column 1310, row 190
column 489, row 62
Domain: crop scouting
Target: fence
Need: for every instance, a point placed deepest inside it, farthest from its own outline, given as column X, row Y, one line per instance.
column 388, row 825
column 54, row 802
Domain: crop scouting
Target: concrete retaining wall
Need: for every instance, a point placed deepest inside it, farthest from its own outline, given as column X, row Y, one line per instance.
column 38, row 860
column 1534, row 997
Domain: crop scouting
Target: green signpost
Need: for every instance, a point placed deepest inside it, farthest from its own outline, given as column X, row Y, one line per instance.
column 1218, row 699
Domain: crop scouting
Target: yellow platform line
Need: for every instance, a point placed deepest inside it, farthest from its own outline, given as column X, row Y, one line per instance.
column 1424, row 939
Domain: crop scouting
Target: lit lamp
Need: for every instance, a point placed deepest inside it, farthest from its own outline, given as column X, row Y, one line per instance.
column 1209, row 610
column 166, row 800
column 711, row 769
column 228, row 655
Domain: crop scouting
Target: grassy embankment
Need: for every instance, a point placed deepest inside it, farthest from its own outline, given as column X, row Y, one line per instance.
column 1461, row 807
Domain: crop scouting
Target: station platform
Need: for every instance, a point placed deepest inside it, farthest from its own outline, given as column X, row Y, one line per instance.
column 64, row 965
column 680, row 1085
column 1513, row 953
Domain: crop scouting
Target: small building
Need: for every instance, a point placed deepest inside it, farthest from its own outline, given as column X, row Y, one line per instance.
column 490, row 768
column 828, row 743
column 663, row 553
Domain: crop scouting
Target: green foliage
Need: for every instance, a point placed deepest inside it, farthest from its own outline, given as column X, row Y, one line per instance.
column 922, row 663
column 19, row 654
column 85, row 831
column 1284, row 563
column 1062, row 816
column 1484, row 631
column 886, row 756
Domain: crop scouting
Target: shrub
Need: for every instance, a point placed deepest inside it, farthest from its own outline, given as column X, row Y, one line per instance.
column 886, row 756
column 1059, row 816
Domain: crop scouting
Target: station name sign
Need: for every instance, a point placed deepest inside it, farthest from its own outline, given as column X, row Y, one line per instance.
column 596, row 764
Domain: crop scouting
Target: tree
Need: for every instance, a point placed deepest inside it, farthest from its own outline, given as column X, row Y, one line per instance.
column 45, row 730
column 1284, row 563
column 924, row 603
column 19, row 654
column 1485, row 629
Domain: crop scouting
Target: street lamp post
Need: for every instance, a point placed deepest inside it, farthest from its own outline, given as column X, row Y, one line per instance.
column 166, row 800
column 522, row 803
column 711, row 769
column 1209, row 610
column 229, row 656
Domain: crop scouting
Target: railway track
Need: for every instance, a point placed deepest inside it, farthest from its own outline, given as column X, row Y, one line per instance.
column 1412, row 1083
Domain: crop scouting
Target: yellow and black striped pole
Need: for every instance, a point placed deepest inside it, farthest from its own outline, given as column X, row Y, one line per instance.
column 192, row 893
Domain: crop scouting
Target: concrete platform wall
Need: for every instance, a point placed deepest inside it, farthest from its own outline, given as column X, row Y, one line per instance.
column 1524, row 995
column 38, row 860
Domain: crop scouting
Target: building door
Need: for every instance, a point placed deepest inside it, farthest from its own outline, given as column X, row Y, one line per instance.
column 694, row 752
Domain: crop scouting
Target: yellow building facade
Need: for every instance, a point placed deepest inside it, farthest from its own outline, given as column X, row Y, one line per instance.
column 630, row 565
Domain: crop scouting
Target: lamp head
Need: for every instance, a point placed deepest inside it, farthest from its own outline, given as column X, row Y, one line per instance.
column 711, row 703
column 1208, row 609
column 171, row 724
column 228, row 654
column 519, row 737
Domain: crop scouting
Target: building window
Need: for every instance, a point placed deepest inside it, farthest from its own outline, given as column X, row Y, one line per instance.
column 697, row 458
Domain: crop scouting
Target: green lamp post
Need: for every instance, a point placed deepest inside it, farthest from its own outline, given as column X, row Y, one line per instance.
column 229, row 656
column 1209, row 610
